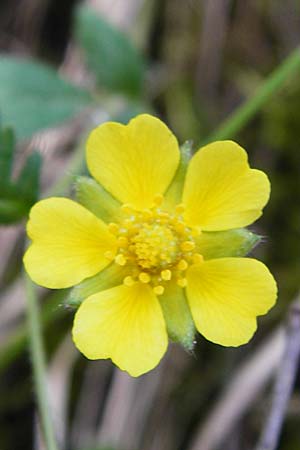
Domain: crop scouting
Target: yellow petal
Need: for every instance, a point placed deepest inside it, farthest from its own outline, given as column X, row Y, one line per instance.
column 125, row 324
column 226, row 295
column 134, row 162
column 221, row 191
column 68, row 243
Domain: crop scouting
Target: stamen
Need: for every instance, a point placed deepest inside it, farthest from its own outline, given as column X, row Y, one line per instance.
column 187, row 246
column 182, row 282
column 182, row 265
column 123, row 241
column 121, row 260
column 144, row 277
column 197, row 258
column 126, row 208
column 180, row 208
column 166, row 274
column 158, row 199
column 109, row 255
column 113, row 228
column 158, row 290
column 128, row 281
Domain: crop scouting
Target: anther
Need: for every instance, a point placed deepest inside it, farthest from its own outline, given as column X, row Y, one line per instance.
column 182, row 282
column 180, row 208
column 123, row 241
column 120, row 259
column 128, row 281
column 126, row 208
column 158, row 199
column 144, row 277
column 147, row 214
column 182, row 265
column 109, row 255
column 187, row 246
column 197, row 258
column 158, row 290
column 113, row 228
column 166, row 274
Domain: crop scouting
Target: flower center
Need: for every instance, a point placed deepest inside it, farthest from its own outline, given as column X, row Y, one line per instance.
column 155, row 245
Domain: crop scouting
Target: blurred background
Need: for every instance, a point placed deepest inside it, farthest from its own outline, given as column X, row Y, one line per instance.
column 66, row 66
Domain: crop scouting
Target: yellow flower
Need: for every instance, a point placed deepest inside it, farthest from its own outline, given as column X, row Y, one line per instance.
column 146, row 269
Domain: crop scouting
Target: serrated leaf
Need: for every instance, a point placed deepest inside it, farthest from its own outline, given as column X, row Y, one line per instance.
column 109, row 53
column 34, row 97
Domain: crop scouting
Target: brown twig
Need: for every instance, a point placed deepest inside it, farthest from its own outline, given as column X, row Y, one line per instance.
column 284, row 382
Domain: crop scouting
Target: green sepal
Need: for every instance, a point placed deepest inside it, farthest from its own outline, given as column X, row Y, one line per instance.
column 174, row 192
column 221, row 244
column 94, row 197
column 112, row 275
column 179, row 321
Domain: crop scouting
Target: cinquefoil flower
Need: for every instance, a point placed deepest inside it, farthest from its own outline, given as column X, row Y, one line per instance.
column 144, row 251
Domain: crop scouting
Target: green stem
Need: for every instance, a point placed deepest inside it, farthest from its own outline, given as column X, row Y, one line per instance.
column 38, row 363
column 241, row 116
column 34, row 319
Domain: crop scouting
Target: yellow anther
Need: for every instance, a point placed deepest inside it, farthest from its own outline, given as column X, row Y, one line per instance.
column 187, row 246
column 182, row 282
column 180, row 208
column 147, row 214
column 158, row 290
column 182, row 265
column 195, row 232
column 197, row 258
column 179, row 227
column 126, row 208
column 113, row 228
column 121, row 260
column 123, row 241
column 128, row 281
column 158, row 199
column 144, row 277
column 109, row 255
column 166, row 274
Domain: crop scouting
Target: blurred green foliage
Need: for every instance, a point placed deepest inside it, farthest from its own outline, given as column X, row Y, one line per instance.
column 34, row 96
column 16, row 195
column 109, row 54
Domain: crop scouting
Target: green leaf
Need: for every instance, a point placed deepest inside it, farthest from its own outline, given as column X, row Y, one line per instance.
column 33, row 97
column 17, row 196
column 109, row 53
column 221, row 244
